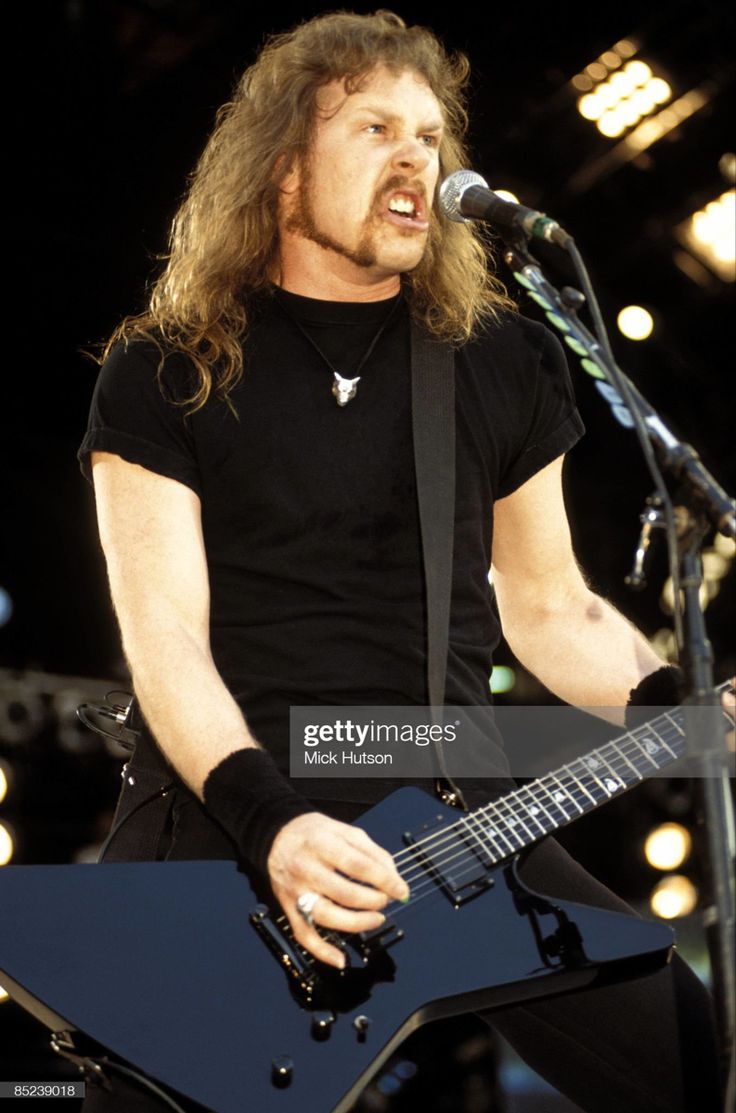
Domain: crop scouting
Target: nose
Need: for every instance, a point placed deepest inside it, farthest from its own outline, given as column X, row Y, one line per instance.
column 411, row 154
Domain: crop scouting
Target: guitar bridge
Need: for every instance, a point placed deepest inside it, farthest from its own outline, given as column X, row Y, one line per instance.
column 280, row 940
column 314, row 983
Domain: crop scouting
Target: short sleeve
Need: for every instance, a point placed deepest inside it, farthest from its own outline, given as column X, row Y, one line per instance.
column 555, row 424
column 134, row 413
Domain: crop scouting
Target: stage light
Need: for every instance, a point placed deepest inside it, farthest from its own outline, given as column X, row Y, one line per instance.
column 618, row 101
column 597, row 71
column 724, row 546
column 673, row 897
column 503, row 679
column 6, row 845
column 715, row 566
column 3, row 995
column 710, row 234
column 3, row 782
column 658, row 90
column 638, row 71
column 643, row 100
column 626, row 47
column 668, row 846
column 591, row 107
column 623, row 83
column 707, row 591
column 727, row 166
column 664, row 643
column 628, row 113
column 6, row 607
column 611, row 124
column 635, row 322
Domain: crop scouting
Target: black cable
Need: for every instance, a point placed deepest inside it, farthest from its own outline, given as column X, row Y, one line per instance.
column 620, row 381
column 142, row 1080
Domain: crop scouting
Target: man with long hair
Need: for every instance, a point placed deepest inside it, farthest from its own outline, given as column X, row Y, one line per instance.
column 250, row 441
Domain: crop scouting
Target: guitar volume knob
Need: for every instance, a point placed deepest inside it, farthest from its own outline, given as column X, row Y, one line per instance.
column 282, row 1070
column 322, row 1024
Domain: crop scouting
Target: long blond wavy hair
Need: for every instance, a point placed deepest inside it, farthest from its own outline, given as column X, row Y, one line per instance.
column 224, row 238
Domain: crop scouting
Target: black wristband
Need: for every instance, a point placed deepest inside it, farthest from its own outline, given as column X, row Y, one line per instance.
column 247, row 795
column 662, row 688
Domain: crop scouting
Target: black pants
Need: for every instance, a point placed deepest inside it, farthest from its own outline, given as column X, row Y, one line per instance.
column 642, row 1046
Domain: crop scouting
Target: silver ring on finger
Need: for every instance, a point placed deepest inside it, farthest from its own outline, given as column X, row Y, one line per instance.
column 305, row 907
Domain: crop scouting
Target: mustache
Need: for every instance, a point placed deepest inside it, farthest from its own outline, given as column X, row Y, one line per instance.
column 397, row 182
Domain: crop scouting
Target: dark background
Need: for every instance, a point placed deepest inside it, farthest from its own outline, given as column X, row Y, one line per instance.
column 109, row 108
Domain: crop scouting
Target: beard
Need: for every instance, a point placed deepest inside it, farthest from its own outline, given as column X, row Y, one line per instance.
column 303, row 222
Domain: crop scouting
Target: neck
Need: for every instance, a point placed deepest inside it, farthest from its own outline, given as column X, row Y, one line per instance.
column 318, row 273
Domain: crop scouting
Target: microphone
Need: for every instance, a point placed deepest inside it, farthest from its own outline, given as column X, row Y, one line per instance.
column 466, row 196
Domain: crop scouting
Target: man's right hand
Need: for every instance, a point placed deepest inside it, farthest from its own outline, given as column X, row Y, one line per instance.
column 311, row 854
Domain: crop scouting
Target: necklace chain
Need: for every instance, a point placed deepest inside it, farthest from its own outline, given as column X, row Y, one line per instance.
column 344, row 389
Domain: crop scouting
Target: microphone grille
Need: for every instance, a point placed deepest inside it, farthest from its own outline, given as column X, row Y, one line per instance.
column 452, row 190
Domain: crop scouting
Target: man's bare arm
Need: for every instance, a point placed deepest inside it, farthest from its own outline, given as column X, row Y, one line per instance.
column 576, row 643
column 151, row 533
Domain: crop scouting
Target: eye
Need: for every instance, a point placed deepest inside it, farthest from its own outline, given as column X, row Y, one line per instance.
column 429, row 140
column 376, row 128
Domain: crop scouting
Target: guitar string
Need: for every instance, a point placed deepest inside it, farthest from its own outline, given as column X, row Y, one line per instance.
column 484, row 809
column 629, row 738
column 492, row 844
column 615, row 766
column 466, row 853
column 437, row 839
column 621, row 786
column 430, row 884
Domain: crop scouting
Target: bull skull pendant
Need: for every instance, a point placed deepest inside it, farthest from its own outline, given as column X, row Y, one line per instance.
column 344, row 389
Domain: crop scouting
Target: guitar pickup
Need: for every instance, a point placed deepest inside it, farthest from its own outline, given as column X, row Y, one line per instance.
column 454, row 855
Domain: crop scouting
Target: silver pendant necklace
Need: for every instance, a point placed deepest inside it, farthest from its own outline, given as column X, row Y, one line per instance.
column 344, row 390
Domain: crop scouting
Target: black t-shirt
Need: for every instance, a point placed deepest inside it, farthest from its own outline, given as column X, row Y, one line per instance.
column 309, row 509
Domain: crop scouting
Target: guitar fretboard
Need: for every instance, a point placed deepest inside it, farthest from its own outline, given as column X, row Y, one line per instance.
column 520, row 818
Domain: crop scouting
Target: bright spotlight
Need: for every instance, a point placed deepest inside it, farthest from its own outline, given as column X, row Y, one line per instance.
column 673, row 897
column 635, row 322
column 710, row 234
column 611, row 124
column 6, row 845
column 639, row 71
column 668, row 846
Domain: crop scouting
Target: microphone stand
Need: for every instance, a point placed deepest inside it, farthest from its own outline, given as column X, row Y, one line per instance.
column 702, row 503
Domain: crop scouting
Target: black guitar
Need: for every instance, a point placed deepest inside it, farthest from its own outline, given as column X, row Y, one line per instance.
column 177, row 968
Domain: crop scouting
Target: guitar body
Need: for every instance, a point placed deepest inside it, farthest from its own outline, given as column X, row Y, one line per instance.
column 175, row 968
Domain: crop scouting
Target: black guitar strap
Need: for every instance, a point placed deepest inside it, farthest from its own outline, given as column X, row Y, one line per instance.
column 433, row 423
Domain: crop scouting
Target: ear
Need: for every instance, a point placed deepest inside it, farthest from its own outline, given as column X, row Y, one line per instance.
column 287, row 174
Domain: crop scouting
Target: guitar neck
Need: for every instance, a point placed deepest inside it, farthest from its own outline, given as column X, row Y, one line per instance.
column 520, row 818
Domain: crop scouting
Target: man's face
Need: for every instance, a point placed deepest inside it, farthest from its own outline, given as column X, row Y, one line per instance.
column 365, row 192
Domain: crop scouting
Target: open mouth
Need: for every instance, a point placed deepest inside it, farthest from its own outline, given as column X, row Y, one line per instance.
column 407, row 208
